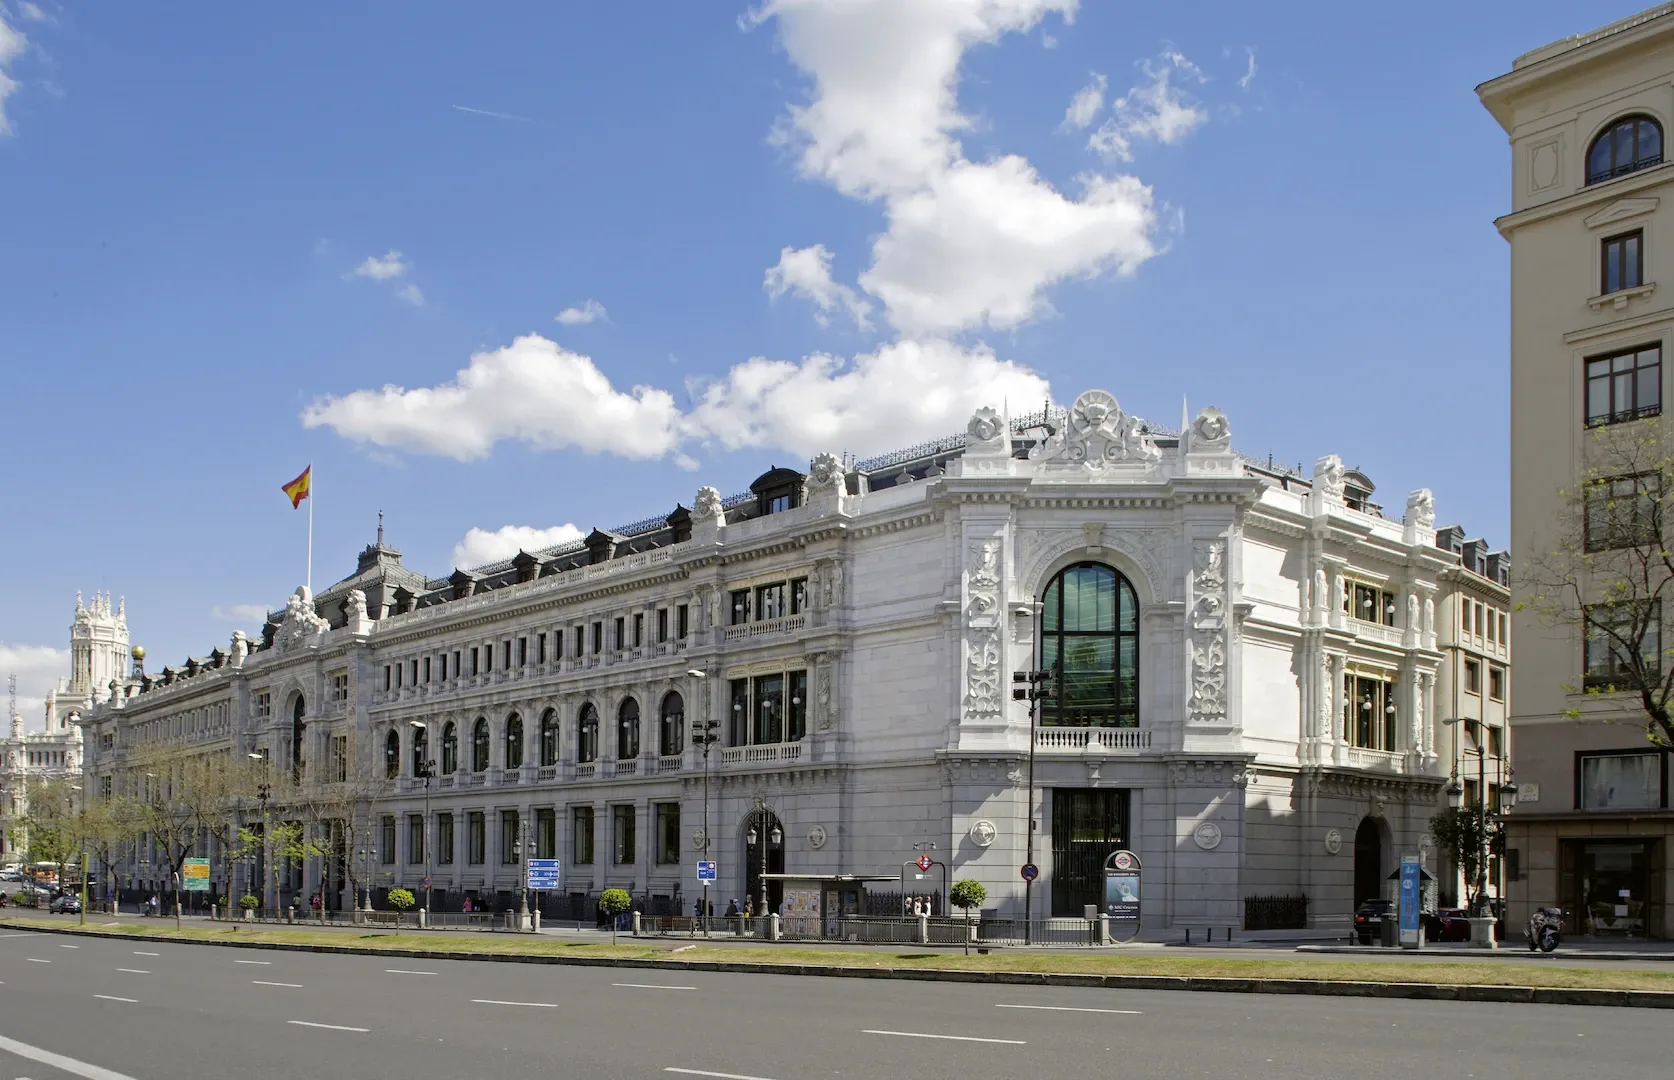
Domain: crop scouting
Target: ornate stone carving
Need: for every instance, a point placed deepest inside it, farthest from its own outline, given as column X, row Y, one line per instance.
column 1097, row 434
column 982, row 635
column 1328, row 478
column 707, row 507
column 301, row 624
column 985, row 428
column 822, row 692
column 1207, row 836
column 1429, row 616
column 1040, row 548
column 240, row 647
column 832, row 576
column 357, row 605
column 816, row 836
column 825, row 473
column 1421, row 509
column 983, row 833
column 1211, row 432
column 1333, row 841
column 1208, row 630
column 1412, row 611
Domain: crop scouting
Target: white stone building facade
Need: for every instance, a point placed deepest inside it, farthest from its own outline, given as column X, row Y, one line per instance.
column 1245, row 660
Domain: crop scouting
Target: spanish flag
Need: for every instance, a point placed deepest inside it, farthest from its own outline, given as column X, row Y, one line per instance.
column 297, row 489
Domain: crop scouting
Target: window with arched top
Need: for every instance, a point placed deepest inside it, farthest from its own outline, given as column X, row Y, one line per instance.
column 479, row 745
column 549, row 738
column 514, row 742
column 392, row 754
column 1089, row 640
column 673, row 719
column 450, row 748
column 1628, row 145
column 627, row 730
column 421, row 750
column 587, row 735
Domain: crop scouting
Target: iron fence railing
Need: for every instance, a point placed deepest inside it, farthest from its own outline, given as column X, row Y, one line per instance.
column 1275, row 912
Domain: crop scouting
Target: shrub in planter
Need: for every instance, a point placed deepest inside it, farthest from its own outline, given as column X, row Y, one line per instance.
column 249, row 902
column 967, row 893
column 613, row 903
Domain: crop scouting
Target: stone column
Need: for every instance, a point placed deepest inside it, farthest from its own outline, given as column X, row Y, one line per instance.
column 1339, row 745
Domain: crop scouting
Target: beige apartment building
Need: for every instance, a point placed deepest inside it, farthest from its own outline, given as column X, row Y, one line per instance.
column 1590, row 240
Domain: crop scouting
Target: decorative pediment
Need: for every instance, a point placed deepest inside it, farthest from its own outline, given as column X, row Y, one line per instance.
column 301, row 624
column 1621, row 210
column 1098, row 434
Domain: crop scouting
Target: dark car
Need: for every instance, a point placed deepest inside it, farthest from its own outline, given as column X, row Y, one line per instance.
column 1368, row 918
column 68, row 904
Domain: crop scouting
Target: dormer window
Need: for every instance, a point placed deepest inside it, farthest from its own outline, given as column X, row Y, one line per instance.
column 1630, row 144
column 778, row 490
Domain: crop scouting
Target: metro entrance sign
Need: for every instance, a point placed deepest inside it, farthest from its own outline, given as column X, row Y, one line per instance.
column 925, row 862
column 194, row 875
column 543, row 874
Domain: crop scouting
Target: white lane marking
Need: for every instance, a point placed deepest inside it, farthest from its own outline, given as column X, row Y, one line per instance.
column 402, row 971
column 527, row 1004
column 328, row 1027
column 108, row 997
column 264, row 963
column 38, row 960
column 652, row 986
column 954, row 1038
column 1072, row 1008
column 260, row 982
column 138, row 953
column 69, row 946
column 134, row 971
column 4, row 936
column 719, row 1076
column 59, row 1061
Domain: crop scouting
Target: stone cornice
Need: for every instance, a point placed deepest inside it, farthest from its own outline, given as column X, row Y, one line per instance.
column 1595, row 195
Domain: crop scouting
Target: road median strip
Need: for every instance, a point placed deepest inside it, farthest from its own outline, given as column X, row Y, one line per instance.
column 1412, row 980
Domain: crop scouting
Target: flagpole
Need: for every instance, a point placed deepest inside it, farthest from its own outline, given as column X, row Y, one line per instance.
column 309, row 580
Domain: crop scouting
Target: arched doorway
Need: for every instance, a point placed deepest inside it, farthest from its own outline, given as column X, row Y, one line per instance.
column 763, row 829
column 1368, row 862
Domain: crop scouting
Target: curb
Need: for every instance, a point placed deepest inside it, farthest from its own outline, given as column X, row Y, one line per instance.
column 1630, row 999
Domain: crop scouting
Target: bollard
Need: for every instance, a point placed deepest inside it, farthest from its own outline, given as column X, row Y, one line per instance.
column 773, row 927
column 1104, row 929
column 923, row 930
column 537, row 917
column 1188, row 935
column 636, row 924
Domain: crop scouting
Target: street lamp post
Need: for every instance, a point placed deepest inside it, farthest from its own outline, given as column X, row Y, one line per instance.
column 1032, row 686
column 704, row 734
column 523, row 864
column 759, row 830
column 426, row 770
column 1507, row 798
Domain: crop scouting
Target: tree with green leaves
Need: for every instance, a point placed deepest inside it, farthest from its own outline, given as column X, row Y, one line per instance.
column 614, row 903
column 1606, row 573
column 1457, row 833
column 967, row 893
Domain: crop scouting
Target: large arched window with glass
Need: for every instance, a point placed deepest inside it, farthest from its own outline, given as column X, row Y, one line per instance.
column 392, row 754
column 587, row 735
column 549, row 738
column 673, row 719
column 627, row 730
column 421, row 749
column 1630, row 144
column 1090, row 642
column 514, row 742
column 479, row 745
column 450, row 748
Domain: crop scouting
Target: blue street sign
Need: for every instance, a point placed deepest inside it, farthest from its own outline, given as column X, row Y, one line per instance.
column 1030, row 871
column 543, row 874
column 1411, row 882
column 706, row 870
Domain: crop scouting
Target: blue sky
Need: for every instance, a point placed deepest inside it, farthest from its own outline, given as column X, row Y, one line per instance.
column 808, row 225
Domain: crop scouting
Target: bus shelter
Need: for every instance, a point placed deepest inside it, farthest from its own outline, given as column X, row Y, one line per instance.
column 815, row 904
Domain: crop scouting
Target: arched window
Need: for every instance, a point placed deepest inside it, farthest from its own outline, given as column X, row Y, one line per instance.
column 450, row 748
column 298, row 710
column 1630, row 144
column 479, row 745
column 673, row 720
column 549, row 738
column 627, row 730
column 587, row 735
column 1089, row 640
column 421, row 750
column 392, row 754
column 514, row 742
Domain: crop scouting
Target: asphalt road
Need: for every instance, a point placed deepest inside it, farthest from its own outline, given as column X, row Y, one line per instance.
column 113, row 1009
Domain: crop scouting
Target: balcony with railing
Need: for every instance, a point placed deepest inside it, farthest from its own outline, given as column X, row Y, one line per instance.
column 788, row 624
column 1075, row 740
column 586, row 770
column 769, row 753
column 670, row 763
column 627, row 767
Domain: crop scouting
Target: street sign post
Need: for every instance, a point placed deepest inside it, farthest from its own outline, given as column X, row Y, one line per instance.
column 925, row 862
column 1121, row 887
column 194, row 875
column 1411, row 883
column 543, row 874
column 1030, row 871
column 706, row 871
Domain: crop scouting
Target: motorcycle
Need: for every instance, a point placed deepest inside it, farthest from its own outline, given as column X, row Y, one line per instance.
column 1545, row 929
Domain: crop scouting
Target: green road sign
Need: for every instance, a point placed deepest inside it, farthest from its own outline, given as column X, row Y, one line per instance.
column 194, row 875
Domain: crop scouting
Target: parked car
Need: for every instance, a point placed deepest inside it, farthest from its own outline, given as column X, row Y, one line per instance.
column 1447, row 924
column 68, row 904
column 1368, row 918
column 11, row 873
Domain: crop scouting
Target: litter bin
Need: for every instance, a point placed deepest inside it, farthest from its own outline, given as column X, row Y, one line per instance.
column 1390, row 925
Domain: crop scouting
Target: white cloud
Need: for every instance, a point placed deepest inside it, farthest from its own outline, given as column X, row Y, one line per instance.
column 905, row 392
column 1085, row 105
column 531, row 390
column 383, row 268
column 244, row 613
column 32, row 12
column 38, row 669
column 1155, row 109
column 411, row 294
column 806, row 272
column 1249, row 75
column 482, row 546
column 588, row 312
column 12, row 45
column 880, row 124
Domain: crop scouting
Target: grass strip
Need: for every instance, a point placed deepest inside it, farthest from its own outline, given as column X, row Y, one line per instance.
column 1541, row 975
